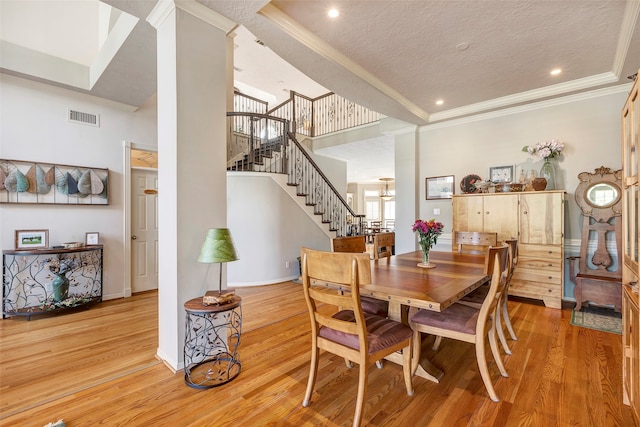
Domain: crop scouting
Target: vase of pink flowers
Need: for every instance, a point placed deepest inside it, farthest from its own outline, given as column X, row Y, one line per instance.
column 428, row 232
column 547, row 151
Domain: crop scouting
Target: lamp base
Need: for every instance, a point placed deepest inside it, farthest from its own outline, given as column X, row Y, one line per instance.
column 215, row 297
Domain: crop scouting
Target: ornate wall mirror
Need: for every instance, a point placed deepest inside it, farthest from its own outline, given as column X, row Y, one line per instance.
column 603, row 195
column 598, row 195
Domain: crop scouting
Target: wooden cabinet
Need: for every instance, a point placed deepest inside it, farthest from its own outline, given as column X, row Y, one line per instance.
column 536, row 219
column 497, row 213
column 28, row 279
column 630, row 243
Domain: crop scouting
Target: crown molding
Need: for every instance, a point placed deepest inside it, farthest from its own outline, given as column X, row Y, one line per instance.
column 624, row 88
column 310, row 40
column 629, row 20
column 163, row 8
column 530, row 95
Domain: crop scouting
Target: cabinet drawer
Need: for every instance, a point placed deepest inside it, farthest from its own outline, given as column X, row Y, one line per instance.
column 544, row 277
column 533, row 263
column 539, row 251
column 535, row 289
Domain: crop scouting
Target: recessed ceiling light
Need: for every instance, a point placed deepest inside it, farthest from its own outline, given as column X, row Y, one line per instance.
column 333, row 13
column 556, row 71
column 439, row 102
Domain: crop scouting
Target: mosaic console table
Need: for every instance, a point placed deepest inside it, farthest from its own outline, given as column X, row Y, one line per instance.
column 27, row 279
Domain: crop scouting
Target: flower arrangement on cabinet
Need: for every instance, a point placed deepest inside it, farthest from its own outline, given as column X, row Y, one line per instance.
column 546, row 150
column 428, row 232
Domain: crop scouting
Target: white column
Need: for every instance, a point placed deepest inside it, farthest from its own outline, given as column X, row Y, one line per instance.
column 192, row 92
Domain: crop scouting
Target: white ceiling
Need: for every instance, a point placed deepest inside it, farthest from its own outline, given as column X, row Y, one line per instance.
column 396, row 57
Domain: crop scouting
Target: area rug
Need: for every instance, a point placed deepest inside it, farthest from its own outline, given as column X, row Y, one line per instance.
column 601, row 319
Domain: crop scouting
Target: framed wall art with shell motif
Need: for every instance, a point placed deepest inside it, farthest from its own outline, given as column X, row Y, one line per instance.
column 30, row 182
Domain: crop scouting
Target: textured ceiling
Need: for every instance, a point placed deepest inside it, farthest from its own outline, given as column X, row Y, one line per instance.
column 398, row 57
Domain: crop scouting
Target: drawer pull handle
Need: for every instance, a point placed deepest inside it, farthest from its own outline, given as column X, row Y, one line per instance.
column 525, row 212
column 550, row 265
column 549, row 277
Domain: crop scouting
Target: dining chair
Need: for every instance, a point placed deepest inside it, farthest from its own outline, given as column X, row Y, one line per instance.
column 384, row 245
column 474, row 241
column 355, row 244
column 350, row 333
column 469, row 324
column 475, row 298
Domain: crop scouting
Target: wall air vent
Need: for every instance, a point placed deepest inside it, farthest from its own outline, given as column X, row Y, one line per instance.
column 84, row 118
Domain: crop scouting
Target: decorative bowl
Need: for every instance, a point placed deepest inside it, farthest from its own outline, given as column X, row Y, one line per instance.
column 509, row 187
column 539, row 184
column 71, row 245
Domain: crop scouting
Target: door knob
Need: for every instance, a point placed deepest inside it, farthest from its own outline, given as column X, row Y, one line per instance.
column 134, row 237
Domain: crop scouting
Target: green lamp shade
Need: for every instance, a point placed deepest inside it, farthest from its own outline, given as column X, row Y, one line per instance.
column 218, row 246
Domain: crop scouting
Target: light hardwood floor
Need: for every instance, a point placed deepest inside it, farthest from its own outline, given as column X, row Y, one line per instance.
column 97, row 367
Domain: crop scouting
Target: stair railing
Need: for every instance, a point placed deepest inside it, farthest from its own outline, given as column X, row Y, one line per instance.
column 262, row 143
column 322, row 115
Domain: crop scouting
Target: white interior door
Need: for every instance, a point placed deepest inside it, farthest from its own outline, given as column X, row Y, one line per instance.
column 144, row 230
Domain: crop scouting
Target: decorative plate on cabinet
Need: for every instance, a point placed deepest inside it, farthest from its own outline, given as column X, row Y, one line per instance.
column 468, row 184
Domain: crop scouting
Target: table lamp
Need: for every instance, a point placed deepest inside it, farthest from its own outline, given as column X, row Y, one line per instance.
column 218, row 247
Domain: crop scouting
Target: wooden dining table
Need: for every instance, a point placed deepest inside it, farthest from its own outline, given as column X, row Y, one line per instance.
column 406, row 286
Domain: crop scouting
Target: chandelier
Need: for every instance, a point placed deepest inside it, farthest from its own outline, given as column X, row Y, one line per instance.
column 386, row 194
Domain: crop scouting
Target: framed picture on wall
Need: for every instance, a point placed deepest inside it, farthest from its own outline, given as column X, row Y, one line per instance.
column 501, row 173
column 32, row 239
column 92, row 238
column 440, row 187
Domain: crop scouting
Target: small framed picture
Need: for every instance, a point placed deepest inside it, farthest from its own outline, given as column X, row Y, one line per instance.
column 32, row 239
column 501, row 173
column 439, row 187
column 92, row 238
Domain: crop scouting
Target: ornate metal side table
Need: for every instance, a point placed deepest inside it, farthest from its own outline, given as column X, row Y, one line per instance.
column 212, row 337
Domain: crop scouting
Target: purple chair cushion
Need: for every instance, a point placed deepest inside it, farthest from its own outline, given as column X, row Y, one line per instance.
column 457, row 317
column 381, row 332
column 478, row 296
column 374, row 306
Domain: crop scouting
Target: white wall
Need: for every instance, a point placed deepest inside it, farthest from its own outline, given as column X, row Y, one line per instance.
column 34, row 127
column 268, row 229
column 589, row 127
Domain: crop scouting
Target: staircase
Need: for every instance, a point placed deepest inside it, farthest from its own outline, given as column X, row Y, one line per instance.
column 262, row 143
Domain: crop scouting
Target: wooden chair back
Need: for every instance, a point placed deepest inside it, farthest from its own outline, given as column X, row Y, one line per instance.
column 454, row 322
column 356, row 244
column 498, row 269
column 474, row 241
column 513, row 257
column 336, row 270
column 346, row 333
column 384, row 245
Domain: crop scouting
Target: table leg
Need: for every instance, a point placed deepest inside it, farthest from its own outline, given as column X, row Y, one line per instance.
column 425, row 367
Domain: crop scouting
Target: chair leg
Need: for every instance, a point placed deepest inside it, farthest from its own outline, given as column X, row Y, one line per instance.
column 507, row 320
column 417, row 341
column 500, row 331
column 484, row 370
column 313, row 372
column 436, row 343
column 494, row 348
column 407, row 358
column 362, row 383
